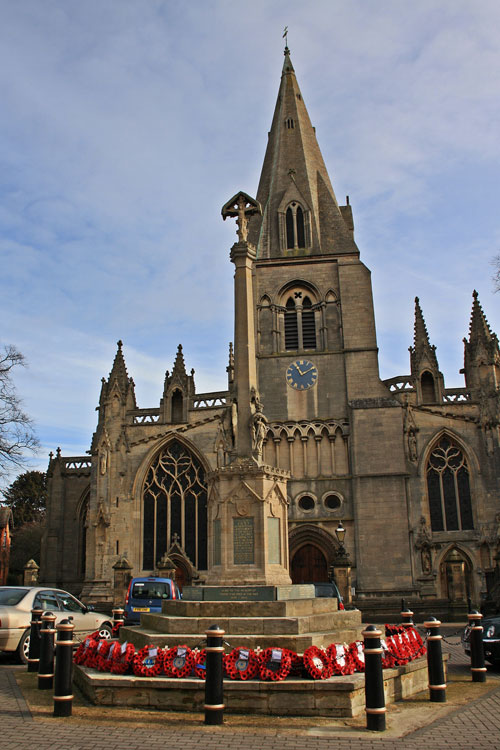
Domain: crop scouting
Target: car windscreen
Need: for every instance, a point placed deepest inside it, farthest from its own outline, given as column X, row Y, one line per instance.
column 150, row 590
column 11, row 597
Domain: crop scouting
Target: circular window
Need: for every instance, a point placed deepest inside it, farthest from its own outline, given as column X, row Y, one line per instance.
column 332, row 502
column 306, row 503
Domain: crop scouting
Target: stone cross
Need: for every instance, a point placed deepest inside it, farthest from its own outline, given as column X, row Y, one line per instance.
column 243, row 207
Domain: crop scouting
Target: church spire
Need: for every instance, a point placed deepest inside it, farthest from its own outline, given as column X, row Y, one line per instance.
column 119, row 369
column 179, row 364
column 301, row 215
column 427, row 379
column 481, row 355
column 421, row 349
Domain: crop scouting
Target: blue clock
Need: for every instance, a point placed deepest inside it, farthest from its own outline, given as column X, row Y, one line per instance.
column 302, row 374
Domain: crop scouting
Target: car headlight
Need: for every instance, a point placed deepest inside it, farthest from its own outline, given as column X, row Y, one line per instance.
column 490, row 632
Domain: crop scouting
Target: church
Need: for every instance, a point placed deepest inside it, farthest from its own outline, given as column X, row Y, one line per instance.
column 409, row 468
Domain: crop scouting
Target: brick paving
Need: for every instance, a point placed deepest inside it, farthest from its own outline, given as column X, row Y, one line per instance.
column 476, row 725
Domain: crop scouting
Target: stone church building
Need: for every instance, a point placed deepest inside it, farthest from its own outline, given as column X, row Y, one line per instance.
column 410, row 467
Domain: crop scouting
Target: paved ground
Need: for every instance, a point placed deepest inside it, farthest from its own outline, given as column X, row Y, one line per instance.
column 474, row 725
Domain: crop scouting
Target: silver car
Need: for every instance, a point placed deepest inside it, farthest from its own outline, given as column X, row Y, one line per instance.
column 16, row 603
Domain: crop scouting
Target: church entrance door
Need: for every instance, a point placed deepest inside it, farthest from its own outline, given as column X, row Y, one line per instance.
column 309, row 565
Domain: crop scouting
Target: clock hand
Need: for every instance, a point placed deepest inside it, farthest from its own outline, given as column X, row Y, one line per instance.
column 306, row 371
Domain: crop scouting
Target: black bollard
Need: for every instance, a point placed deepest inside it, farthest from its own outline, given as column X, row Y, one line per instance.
column 34, row 650
column 406, row 614
column 63, row 680
column 118, row 615
column 437, row 685
column 46, row 663
column 476, row 647
column 374, row 680
column 214, row 686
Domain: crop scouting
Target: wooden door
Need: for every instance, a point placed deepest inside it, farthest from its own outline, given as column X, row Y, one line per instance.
column 309, row 565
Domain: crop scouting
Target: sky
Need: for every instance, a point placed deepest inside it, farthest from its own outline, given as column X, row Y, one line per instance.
column 126, row 125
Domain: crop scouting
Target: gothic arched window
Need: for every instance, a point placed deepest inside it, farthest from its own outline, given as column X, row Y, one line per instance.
column 300, row 322
column 428, row 389
column 175, row 503
column 448, row 488
column 296, row 228
column 177, row 410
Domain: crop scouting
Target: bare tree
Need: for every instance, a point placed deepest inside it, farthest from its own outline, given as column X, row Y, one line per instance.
column 16, row 429
column 496, row 276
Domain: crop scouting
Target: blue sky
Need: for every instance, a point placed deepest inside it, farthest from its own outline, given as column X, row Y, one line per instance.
column 126, row 125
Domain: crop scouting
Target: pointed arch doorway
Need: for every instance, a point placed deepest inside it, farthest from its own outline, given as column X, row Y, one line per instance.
column 456, row 577
column 309, row 565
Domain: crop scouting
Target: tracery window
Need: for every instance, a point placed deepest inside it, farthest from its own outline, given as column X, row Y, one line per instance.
column 448, row 488
column 175, row 502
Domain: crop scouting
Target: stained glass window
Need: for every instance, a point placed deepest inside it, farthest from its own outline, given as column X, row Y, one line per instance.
column 448, row 488
column 175, row 502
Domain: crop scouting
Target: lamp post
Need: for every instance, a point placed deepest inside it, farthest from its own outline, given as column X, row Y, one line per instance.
column 340, row 569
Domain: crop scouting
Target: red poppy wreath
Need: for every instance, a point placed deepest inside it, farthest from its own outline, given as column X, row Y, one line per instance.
column 275, row 664
column 241, row 664
column 148, row 662
column 122, row 657
column 340, row 658
column 86, row 650
column 317, row 663
column 178, row 661
column 357, row 653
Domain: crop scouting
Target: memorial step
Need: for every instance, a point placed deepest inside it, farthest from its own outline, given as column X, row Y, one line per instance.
column 299, row 643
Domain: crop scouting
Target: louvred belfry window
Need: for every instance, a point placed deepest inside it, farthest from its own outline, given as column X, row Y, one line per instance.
column 175, row 502
column 291, row 328
column 448, row 488
column 300, row 323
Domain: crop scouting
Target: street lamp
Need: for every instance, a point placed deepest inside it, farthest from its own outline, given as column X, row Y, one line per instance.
column 340, row 534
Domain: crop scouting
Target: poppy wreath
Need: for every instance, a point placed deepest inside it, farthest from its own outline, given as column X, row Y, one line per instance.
column 317, row 663
column 357, row 654
column 200, row 663
column 102, row 646
column 122, row 658
column 388, row 659
column 103, row 660
column 241, row 664
column 148, row 661
column 85, row 650
column 416, row 643
column 298, row 668
column 395, row 629
column 340, row 658
column 115, row 630
column 272, row 668
column 398, row 650
column 178, row 661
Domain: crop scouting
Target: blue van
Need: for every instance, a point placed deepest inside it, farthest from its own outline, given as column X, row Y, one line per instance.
column 147, row 595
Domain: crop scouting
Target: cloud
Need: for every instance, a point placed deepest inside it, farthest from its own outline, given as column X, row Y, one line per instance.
column 125, row 126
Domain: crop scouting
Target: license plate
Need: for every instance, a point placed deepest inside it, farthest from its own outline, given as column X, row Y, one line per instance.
column 140, row 609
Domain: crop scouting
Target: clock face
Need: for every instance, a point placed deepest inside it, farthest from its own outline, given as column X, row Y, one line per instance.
column 301, row 374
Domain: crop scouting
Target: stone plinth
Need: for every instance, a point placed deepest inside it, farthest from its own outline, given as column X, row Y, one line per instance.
column 295, row 624
column 248, row 525
column 341, row 696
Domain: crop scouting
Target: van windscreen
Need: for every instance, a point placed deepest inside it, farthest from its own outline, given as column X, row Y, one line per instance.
column 150, row 590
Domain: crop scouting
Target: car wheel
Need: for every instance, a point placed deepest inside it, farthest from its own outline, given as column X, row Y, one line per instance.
column 23, row 648
column 105, row 631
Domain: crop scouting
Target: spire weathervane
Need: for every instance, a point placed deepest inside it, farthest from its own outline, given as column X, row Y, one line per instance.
column 285, row 37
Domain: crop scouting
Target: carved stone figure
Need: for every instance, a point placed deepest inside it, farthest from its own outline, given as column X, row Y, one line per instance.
column 259, row 432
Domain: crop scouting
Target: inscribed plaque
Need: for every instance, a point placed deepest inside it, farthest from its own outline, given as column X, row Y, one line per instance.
column 243, row 541
column 273, row 541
